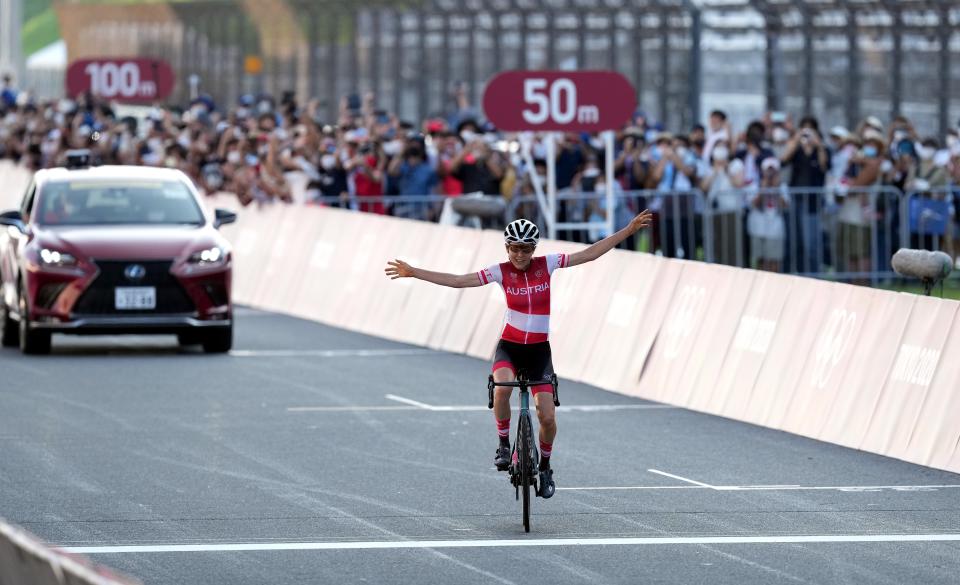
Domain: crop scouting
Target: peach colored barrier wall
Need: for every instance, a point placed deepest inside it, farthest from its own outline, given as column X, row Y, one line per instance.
column 13, row 183
column 937, row 433
column 918, row 355
column 629, row 325
column 25, row 559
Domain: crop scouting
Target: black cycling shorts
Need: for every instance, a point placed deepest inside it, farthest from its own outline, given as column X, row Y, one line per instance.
column 533, row 358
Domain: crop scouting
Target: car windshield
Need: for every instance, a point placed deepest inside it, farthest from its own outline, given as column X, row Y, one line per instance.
column 118, row 202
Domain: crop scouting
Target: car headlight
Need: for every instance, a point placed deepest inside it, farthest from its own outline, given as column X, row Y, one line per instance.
column 56, row 258
column 210, row 257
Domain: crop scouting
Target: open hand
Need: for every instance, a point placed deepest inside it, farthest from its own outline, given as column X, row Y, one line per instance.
column 398, row 269
column 641, row 221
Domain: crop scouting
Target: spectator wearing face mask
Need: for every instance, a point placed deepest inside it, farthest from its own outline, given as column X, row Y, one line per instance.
column 928, row 177
column 718, row 128
column 725, row 201
column 781, row 133
column 673, row 172
column 926, row 182
column 765, row 222
column 366, row 168
column 808, row 160
column 952, row 241
column 753, row 151
column 448, row 147
column 854, row 217
column 598, row 210
column 479, row 168
column 330, row 179
column 414, row 176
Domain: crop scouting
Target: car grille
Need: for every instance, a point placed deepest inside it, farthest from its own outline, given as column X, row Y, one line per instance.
column 100, row 298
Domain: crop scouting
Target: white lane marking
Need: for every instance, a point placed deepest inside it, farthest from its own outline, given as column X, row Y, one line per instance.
column 347, row 408
column 615, row 407
column 330, row 353
column 755, row 488
column 632, row 487
column 842, row 488
column 478, row 407
column 415, row 405
column 491, row 543
column 409, row 401
column 681, row 478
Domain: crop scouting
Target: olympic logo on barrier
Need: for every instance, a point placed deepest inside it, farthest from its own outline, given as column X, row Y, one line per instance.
column 689, row 304
column 832, row 345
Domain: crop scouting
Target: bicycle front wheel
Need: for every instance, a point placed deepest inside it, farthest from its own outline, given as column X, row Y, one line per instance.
column 526, row 468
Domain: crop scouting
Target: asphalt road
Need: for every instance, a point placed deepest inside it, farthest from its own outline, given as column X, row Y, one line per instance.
column 315, row 455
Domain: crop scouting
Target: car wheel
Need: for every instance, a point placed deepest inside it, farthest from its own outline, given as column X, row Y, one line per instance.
column 219, row 340
column 31, row 341
column 10, row 334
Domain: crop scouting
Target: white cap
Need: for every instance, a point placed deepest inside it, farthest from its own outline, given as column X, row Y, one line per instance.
column 839, row 132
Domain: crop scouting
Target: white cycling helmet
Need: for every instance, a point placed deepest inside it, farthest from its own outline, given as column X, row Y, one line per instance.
column 521, row 231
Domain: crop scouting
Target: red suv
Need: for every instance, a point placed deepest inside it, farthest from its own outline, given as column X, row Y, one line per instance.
column 107, row 250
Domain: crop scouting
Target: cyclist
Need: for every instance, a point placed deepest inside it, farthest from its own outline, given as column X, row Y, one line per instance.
column 524, row 344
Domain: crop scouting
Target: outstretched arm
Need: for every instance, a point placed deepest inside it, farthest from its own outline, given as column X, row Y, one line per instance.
column 610, row 242
column 400, row 269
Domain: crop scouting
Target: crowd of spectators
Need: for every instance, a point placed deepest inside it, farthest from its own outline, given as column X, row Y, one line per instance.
column 780, row 191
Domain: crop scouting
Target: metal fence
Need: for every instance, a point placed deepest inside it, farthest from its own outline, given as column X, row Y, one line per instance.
column 844, row 235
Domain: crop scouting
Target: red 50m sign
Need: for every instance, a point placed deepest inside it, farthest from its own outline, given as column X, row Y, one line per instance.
column 572, row 101
column 124, row 79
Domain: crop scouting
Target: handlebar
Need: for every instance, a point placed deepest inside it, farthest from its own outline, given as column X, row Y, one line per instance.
column 523, row 385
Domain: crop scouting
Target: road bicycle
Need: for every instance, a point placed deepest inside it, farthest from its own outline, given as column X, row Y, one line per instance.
column 524, row 456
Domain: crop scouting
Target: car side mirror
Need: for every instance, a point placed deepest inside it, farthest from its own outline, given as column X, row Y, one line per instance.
column 223, row 217
column 15, row 219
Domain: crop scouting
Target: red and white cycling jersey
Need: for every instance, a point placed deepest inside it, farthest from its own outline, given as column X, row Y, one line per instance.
column 528, row 296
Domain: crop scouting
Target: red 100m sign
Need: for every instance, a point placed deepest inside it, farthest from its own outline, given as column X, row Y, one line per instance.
column 571, row 101
column 127, row 80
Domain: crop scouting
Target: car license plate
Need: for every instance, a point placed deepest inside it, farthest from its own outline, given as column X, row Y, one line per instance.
column 136, row 297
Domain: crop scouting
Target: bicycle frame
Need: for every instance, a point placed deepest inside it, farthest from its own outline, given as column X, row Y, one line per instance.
column 523, row 474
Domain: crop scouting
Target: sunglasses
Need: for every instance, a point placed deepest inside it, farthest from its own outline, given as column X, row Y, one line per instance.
column 521, row 249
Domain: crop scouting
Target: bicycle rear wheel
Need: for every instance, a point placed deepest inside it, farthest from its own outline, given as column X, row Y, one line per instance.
column 526, row 468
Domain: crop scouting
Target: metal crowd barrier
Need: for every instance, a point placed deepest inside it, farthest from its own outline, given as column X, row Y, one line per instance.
column 847, row 234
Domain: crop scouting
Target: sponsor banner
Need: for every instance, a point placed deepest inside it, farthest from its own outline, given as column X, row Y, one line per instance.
column 280, row 280
column 576, row 296
column 805, row 308
column 694, row 295
column 919, row 354
column 458, row 256
column 629, row 324
column 836, row 320
column 727, row 298
column 311, row 249
column 867, row 363
column 365, row 304
column 493, row 305
column 936, row 432
column 748, row 349
column 428, row 306
column 250, row 246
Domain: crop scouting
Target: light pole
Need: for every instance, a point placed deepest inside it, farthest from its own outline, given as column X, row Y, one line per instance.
column 11, row 56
